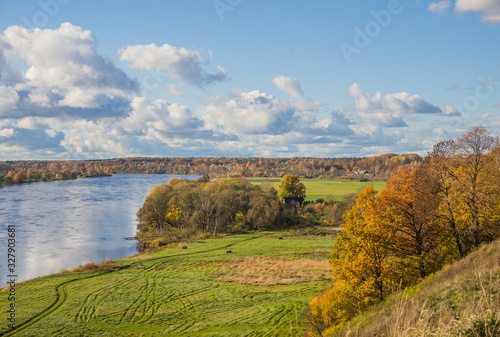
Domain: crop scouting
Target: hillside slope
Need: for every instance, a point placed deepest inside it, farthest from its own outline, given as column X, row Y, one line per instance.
column 461, row 300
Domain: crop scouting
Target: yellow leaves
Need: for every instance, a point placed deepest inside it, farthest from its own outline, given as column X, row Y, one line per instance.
column 290, row 186
column 239, row 220
column 331, row 310
column 174, row 215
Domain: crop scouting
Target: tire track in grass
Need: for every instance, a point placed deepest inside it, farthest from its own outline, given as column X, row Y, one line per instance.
column 61, row 297
column 131, row 311
column 89, row 308
column 62, row 294
column 149, row 301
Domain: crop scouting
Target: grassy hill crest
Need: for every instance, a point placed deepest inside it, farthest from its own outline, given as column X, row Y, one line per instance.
column 461, row 300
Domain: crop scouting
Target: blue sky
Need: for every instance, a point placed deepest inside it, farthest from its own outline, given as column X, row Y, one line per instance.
column 102, row 79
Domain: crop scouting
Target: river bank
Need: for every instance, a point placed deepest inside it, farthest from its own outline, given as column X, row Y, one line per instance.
column 201, row 290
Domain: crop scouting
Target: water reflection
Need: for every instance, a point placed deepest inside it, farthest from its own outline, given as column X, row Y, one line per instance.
column 63, row 224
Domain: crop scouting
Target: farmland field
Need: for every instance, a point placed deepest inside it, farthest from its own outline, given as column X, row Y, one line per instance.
column 323, row 188
column 260, row 288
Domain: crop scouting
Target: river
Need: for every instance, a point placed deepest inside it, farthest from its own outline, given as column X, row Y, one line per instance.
column 63, row 224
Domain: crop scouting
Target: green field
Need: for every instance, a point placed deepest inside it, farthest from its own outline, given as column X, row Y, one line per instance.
column 198, row 291
column 323, row 188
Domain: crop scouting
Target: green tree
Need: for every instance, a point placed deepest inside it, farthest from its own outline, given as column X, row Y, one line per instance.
column 290, row 186
column 154, row 213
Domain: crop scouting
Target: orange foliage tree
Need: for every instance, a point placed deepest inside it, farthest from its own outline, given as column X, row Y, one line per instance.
column 364, row 266
column 412, row 202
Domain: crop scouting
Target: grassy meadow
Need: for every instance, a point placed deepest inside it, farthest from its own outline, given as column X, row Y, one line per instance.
column 325, row 188
column 260, row 288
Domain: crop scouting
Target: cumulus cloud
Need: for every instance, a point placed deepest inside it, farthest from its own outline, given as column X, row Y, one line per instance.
column 7, row 133
column 337, row 125
column 173, row 90
column 64, row 74
column 293, row 88
column 251, row 112
column 180, row 63
column 289, row 85
column 30, row 140
column 439, row 8
column 388, row 110
column 447, row 110
column 261, row 121
column 9, row 98
column 149, row 129
column 31, row 123
column 160, row 117
column 489, row 9
column 401, row 103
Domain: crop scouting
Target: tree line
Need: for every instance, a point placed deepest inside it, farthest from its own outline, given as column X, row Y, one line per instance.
column 20, row 176
column 427, row 217
column 380, row 167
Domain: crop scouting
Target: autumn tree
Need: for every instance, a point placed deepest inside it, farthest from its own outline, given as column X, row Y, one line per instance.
column 290, row 185
column 411, row 202
column 18, row 177
column 478, row 181
column 469, row 184
column 364, row 268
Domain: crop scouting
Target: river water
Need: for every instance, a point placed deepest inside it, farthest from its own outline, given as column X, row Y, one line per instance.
column 64, row 224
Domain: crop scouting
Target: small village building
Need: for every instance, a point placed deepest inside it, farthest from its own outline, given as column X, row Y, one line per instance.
column 293, row 201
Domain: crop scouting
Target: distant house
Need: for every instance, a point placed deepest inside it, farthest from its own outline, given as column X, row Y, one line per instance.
column 293, row 201
column 362, row 172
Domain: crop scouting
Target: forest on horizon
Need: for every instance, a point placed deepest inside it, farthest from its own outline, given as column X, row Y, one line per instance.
column 373, row 168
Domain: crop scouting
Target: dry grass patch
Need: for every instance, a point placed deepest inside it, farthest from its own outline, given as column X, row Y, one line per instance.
column 266, row 270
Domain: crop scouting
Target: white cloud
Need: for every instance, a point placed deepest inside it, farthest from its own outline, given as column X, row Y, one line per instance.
column 173, row 90
column 400, row 103
column 180, row 63
column 64, row 74
column 448, row 110
column 251, row 112
column 489, row 9
column 289, row 85
column 7, row 133
column 293, row 88
column 388, row 110
column 31, row 123
column 9, row 98
column 263, row 122
column 439, row 8
column 160, row 117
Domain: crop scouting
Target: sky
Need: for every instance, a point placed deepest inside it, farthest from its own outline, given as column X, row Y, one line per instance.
column 239, row 78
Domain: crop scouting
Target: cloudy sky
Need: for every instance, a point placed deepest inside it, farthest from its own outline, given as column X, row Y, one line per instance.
column 120, row 78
